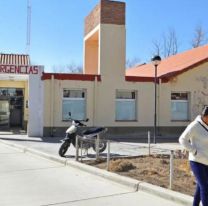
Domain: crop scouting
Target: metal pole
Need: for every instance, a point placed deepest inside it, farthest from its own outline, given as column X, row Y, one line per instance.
column 155, row 115
column 108, row 156
column 97, row 146
column 149, row 142
column 171, row 169
column 81, row 149
column 77, row 148
column 29, row 9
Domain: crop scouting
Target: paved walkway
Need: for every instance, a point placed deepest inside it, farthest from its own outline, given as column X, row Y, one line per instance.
column 28, row 180
column 51, row 145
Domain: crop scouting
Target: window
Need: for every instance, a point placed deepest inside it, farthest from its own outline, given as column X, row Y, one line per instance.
column 179, row 106
column 125, row 105
column 11, row 92
column 74, row 101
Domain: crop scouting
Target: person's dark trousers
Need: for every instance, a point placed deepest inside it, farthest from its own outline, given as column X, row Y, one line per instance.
column 201, row 174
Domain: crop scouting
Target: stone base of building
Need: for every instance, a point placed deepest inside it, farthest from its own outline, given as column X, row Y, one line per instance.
column 132, row 134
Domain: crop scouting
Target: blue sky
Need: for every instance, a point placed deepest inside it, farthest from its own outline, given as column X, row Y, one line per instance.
column 57, row 27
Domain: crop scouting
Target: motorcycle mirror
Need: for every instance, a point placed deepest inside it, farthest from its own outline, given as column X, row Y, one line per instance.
column 87, row 120
column 70, row 114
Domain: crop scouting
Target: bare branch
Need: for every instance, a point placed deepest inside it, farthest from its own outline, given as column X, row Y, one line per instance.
column 168, row 45
column 69, row 68
column 73, row 68
column 199, row 37
column 132, row 62
column 157, row 47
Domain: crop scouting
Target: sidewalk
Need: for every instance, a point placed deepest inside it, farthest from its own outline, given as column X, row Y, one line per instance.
column 29, row 180
column 48, row 148
column 51, row 145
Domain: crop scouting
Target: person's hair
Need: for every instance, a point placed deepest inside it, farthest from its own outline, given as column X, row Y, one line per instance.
column 205, row 111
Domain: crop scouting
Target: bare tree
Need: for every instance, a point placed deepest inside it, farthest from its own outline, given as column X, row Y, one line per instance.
column 199, row 38
column 170, row 43
column 69, row 68
column 74, row 68
column 167, row 45
column 58, row 68
column 132, row 62
column 157, row 47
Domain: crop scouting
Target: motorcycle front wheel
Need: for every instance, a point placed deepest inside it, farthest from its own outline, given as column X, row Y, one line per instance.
column 102, row 146
column 63, row 149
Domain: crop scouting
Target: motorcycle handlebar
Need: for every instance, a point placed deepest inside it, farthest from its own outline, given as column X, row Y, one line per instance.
column 78, row 121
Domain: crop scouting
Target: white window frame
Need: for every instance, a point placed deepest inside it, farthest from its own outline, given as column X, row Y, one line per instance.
column 181, row 101
column 74, row 99
column 126, row 100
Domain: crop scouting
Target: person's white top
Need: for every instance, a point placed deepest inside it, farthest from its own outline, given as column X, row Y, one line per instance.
column 195, row 140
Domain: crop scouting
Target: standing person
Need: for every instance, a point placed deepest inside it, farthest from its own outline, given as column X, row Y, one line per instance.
column 195, row 140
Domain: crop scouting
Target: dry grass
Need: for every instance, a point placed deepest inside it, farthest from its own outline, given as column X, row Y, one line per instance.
column 155, row 170
column 121, row 166
column 184, row 166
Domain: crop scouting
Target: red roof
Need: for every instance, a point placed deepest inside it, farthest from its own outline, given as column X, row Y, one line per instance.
column 172, row 65
column 15, row 59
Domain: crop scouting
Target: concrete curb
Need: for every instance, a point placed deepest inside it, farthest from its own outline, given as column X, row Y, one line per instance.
column 166, row 193
column 13, row 145
column 135, row 185
column 125, row 181
column 35, row 152
column 47, row 156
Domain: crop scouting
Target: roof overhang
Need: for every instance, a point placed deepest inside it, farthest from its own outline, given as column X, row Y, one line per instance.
column 14, row 77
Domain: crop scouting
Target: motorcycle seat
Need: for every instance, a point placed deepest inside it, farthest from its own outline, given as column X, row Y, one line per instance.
column 93, row 131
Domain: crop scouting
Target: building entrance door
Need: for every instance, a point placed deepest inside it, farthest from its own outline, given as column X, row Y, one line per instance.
column 11, row 107
column 16, row 111
column 4, row 113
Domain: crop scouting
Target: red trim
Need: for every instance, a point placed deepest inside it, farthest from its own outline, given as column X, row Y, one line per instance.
column 91, row 77
column 166, row 77
column 45, row 76
column 77, row 77
column 139, row 79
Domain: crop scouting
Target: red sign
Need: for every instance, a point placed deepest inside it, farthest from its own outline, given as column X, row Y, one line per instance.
column 13, row 69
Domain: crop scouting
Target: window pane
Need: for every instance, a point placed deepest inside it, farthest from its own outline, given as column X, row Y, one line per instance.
column 179, row 96
column 73, row 93
column 76, row 107
column 179, row 110
column 3, row 92
column 125, row 95
column 125, row 110
column 4, row 113
column 11, row 92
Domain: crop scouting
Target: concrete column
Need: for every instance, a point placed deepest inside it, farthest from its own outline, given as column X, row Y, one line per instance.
column 36, row 90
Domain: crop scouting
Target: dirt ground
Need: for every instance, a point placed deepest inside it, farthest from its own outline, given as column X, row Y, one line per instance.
column 154, row 170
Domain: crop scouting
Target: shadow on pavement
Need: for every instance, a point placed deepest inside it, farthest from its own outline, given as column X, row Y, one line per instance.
column 164, row 139
column 27, row 139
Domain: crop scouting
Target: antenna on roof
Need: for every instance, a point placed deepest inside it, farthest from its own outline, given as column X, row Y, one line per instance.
column 28, row 26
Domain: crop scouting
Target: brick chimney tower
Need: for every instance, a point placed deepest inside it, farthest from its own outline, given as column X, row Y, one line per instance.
column 105, row 40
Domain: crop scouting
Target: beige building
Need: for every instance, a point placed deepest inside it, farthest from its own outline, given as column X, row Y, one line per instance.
column 182, row 87
column 120, row 99
column 111, row 96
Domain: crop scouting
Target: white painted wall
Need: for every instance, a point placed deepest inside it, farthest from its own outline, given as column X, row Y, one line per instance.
column 193, row 81
column 36, row 104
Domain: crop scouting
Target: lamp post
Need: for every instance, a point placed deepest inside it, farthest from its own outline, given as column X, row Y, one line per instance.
column 155, row 61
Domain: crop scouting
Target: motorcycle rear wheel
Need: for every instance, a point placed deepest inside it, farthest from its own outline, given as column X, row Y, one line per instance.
column 102, row 147
column 63, row 149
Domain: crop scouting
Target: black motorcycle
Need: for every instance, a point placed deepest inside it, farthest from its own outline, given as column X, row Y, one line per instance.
column 88, row 137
